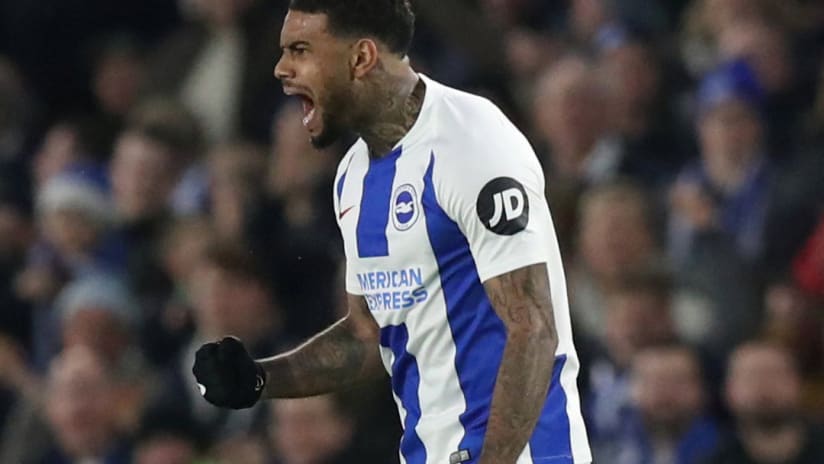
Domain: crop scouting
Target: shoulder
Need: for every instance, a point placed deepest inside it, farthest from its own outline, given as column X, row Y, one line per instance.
column 357, row 148
column 471, row 117
column 471, row 131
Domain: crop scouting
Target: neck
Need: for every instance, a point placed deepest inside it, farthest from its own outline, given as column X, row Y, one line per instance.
column 401, row 95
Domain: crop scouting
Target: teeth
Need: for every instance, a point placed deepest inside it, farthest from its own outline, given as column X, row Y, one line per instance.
column 308, row 117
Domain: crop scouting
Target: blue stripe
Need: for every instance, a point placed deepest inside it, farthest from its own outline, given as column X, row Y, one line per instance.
column 478, row 333
column 406, row 380
column 480, row 337
column 340, row 185
column 552, row 434
column 375, row 206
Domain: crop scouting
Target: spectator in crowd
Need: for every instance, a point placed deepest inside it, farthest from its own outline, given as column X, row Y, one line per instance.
column 145, row 170
column 763, row 392
column 16, row 117
column 97, row 311
column 727, row 190
column 75, row 219
column 590, row 20
column 705, row 20
column 64, row 145
column 670, row 423
column 183, row 244
column 231, row 296
column 638, row 316
column 16, row 235
column 569, row 120
column 588, row 17
column 166, row 438
column 97, row 314
column 220, row 64
column 94, row 311
column 799, row 193
column 81, row 409
column 178, row 130
column 793, row 321
column 238, row 179
column 640, row 115
column 767, row 49
column 314, row 430
column 117, row 75
column 571, row 131
column 616, row 234
column 295, row 226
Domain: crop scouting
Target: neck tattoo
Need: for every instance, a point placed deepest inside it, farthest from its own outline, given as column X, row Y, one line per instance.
column 395, row 120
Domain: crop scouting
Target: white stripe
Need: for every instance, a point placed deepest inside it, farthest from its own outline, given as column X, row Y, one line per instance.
column 579, row 444
column 577, row 431
column 430, row 336
column 402, row 416
column 526, row 456
column 560, row 305
column 388, row 358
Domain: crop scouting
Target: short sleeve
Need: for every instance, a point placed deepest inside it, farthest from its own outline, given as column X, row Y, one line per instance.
column 351, row 281
column 495, row 193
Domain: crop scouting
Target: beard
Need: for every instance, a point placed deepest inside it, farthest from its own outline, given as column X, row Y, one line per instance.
column 768, row 419
column 332, row 132
column 335, row 117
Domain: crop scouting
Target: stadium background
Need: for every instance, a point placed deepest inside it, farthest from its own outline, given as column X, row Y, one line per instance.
column 157, row 191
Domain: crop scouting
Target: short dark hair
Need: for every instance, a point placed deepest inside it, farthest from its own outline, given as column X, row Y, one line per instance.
column 390, row 21
column 648, row 279
column 237, row 260
column 168, row 123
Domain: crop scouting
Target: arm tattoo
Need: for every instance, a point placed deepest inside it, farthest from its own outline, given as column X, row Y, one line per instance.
column 337, row 358
column 522, row 300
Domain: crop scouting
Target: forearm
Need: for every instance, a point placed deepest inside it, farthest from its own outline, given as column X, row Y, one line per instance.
column 520, row 392
column 522, row 300
column 335, row 359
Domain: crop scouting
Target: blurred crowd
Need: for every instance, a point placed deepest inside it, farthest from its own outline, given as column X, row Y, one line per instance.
column 158, row 191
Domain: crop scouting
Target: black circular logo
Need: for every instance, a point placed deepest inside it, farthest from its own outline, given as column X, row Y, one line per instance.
column 503, row 206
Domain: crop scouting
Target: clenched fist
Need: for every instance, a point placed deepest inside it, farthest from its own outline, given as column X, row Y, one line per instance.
column 227, row 375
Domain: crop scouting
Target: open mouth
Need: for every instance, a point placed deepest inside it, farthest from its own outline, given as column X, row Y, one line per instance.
column 308, row 110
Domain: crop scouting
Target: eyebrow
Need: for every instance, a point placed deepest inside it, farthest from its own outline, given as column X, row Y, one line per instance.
column 294, row 45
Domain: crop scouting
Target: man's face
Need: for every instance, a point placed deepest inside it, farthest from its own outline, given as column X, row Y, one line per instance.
column 228, row 303
column 143, row 177
column 730, row 134
column 614, row 236
column 567, row 109
column 762, row 385
column 634, row 321
column 98, row 329
column 315, row 67
column 79, row 403
column 666, row 387
column 309, row 430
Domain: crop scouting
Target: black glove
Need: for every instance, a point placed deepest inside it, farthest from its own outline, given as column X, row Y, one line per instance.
column 227, row 376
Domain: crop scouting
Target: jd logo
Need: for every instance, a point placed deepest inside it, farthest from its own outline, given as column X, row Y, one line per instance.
column 503, row 206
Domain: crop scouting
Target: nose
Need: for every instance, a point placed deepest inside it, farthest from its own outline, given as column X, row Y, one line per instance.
column 282, row 70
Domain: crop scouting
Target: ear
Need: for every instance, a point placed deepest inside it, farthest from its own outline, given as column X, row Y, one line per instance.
column 364, row 57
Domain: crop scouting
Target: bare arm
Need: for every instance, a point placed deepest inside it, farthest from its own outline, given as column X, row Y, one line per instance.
column 521, row 299
column 344, row 355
